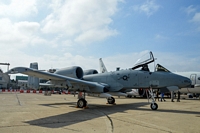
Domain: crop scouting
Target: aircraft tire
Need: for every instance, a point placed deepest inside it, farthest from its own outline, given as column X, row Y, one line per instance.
column 129, row 96
column 111, row 100
column 81, row 103
column 154, row 106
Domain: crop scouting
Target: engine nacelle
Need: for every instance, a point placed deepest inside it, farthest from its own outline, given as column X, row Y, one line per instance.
column 90, row 71
column 74, row 72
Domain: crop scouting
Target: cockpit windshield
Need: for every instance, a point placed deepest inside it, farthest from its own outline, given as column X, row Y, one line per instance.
column 144, row 61
column 160, row 68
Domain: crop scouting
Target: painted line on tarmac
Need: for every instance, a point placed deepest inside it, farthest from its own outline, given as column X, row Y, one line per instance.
column 110, row 125
column 18, row 99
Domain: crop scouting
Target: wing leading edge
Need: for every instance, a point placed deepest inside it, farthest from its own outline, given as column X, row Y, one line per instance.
column 93, row 86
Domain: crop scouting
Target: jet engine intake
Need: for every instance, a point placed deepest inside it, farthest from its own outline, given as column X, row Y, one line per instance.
column 74, row 72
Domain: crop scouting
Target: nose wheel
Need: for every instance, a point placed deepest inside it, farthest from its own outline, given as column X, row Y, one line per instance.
column 154, row 106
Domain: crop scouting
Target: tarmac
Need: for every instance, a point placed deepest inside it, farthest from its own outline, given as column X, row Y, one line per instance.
column 31, row 113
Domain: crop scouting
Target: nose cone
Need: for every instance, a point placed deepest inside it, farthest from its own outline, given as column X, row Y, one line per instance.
column 186, row 82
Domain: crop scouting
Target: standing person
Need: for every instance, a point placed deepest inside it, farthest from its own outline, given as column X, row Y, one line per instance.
column 172, row 96
column 157, row 96
column 162, row 96
column 178, row 98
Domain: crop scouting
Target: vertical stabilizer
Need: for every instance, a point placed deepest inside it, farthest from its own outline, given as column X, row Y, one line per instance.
column 33, row 82
column 102, row 66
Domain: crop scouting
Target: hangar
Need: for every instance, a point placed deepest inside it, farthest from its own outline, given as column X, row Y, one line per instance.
column 4, row 80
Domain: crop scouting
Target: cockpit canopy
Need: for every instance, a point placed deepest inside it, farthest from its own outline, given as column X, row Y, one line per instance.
column 144, row 61
column 147, row 59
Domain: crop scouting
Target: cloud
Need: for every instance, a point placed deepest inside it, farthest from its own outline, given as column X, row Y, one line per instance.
column 57, row 27
column 18, row 8
column 160, row 37
column 149, row 7
column 27, row 27
column 196, row 20
column 66, row 24
column 19, row 34
column 193, row 11
column 178, row 63
column 95, row 35
column 190, row 9
column 83, row 20
column 63, row 23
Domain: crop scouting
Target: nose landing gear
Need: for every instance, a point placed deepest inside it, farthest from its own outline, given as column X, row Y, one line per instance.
column 154, row 105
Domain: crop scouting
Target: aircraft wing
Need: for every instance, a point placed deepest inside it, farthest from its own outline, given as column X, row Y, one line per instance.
column 93, row 86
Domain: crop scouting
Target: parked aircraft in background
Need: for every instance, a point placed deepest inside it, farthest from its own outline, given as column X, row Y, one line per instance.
column 110, row 83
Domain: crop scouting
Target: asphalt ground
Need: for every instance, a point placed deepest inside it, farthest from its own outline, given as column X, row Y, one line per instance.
column 31, row 113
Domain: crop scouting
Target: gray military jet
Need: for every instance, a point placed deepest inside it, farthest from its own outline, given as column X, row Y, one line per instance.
column 116, row 82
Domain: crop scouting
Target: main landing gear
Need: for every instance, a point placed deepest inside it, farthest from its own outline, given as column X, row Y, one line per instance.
column 154, row 106
column 111, row 100
column 81, row 103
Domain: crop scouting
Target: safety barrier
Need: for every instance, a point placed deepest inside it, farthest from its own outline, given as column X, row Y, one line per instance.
column 8, row 90
column 32, row 91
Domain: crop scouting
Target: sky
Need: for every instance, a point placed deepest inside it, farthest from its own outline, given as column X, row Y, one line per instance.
column 63, row 33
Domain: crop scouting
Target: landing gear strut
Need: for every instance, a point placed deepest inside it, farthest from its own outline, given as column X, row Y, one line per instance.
column 154, row 106
column 81, row 103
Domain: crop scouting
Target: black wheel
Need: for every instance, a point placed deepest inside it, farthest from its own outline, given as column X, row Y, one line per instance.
column 111, row 100
column 154, row 106
column 129, row 96
column 81, row 103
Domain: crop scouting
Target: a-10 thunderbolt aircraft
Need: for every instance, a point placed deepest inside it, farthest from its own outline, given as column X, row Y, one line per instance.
column 115, row 83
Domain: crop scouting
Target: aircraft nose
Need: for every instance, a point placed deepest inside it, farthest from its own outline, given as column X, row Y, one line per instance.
column 187, row 82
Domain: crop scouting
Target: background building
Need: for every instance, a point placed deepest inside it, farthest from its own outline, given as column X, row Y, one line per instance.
column 4, row 80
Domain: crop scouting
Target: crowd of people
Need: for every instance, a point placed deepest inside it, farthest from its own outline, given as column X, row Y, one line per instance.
column 162, row 96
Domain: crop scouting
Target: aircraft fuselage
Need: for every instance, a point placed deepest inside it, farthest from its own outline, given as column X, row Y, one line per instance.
column 128, row 79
